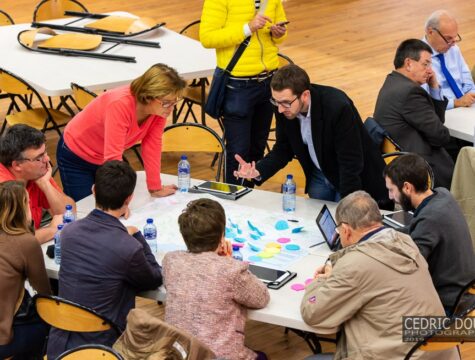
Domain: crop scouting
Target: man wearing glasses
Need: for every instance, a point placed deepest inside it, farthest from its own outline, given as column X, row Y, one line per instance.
column 453, row 74
column 322, row 128
column 413, row 117
column 23, row 157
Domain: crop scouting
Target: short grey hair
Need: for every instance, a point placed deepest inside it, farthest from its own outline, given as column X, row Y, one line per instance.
column 359, row 210
column 433, row 20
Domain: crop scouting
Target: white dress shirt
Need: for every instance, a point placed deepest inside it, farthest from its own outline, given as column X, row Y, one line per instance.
column 459, row 70
column 306, row 131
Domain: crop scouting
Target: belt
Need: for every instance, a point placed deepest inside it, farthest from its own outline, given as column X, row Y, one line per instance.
column 259, row 77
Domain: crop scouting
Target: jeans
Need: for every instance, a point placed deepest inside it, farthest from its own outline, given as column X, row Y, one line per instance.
column 247, row 120
column 77, row 175
column 27, row 343
column 320, row 188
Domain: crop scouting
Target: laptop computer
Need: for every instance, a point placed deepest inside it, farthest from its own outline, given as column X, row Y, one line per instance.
column 327, row 226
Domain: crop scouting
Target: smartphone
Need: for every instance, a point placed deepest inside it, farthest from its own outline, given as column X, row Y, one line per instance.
column 283, row 23
column 267, row 275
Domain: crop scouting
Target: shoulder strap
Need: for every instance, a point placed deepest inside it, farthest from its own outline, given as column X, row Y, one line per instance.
column 244, row 44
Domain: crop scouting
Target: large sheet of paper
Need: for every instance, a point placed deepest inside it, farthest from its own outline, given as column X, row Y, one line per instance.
column 272, row 239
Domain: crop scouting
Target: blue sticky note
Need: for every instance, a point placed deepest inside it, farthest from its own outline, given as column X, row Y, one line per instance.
column 254, row 247
column 252, row 227
column 229, row 233
column 239, row 231
column 255, row 237
column 281, row 225
column 292, row 247
column 254, row 258
column 239, row 240
column 297, row 230
column 260, row 232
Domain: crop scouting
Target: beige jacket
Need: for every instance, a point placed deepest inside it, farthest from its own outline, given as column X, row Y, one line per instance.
column 148, row 337
column 463, row 186
column 373, row 284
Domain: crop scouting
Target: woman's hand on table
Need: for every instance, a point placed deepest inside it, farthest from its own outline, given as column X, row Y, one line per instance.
column 166, row 190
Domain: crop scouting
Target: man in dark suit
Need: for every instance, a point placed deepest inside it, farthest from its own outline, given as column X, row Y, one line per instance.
column 322, row 128
column 413, row 117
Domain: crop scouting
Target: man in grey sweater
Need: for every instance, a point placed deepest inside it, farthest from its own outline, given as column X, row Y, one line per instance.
column 438, row 228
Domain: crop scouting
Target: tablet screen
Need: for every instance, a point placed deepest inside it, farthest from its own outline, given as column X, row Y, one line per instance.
column 401, row 218
column 265, row 274
column 221, row 187
column 327, row 226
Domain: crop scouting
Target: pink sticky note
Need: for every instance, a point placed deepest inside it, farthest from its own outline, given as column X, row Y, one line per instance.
column 308, row 281
column 298, row 287
column 238, row 245
column 283, row 240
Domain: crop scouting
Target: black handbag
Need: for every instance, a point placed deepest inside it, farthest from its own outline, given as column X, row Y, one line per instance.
column 214, row 104
column 26, row 313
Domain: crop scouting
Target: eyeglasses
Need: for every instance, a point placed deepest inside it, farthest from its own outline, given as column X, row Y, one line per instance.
column 169, row 103
column 338, row 225
column 285, row 104
column 40, row 157
column 449, row 41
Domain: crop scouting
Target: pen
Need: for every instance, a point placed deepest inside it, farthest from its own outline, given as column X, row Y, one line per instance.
column 320, row 243
column 293, row 220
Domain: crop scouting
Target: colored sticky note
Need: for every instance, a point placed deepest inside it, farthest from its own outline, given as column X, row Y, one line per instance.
column 239, row 245
column 265, row 254
column 273, row 250
column 292, row 247
column 240, row 240
column 273, row 245
column 281, row 225
column 255, row 258
column 308, row 281
column 252, row 227
column 255, row 237
column 230, row 234
column 297, row 230
column 254, row 247
column 297, row 287
column 260, row 232
column 283, row 240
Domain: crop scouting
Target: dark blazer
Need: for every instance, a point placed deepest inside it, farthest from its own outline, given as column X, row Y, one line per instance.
column 347, row 156
column 102, row 267
column 416, row 122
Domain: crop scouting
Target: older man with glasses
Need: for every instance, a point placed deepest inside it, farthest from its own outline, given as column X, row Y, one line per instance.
column 23, row 157
column 322, row 128
column 453, row 74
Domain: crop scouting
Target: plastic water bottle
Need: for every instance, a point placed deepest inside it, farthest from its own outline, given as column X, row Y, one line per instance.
column 288, row 190
column 57, row 245
column 237, row 253
column 66, row 221
column 150, row 235
column 183, row 174
column 69, row 214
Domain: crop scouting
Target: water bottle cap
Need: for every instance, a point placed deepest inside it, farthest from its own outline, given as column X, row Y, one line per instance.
column 60, row 226
column 235, row 247
column 67, row 220
column 184, row 157
column 290, row 176
column 149, row 221
column 69, row 207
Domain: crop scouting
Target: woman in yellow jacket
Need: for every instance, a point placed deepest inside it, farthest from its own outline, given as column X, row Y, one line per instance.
column 247, row 110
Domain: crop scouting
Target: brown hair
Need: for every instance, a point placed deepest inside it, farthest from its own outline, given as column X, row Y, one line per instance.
column 290, row 77
column 202, row 225
column 157, row 82
column 13, row 208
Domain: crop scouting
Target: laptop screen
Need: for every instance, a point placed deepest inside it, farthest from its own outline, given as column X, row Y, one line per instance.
column 327, row 226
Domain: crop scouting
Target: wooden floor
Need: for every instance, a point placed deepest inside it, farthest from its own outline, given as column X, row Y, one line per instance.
column 348, row 44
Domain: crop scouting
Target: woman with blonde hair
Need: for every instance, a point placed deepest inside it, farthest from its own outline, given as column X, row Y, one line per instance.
column 21, row 258
column 115, row 121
